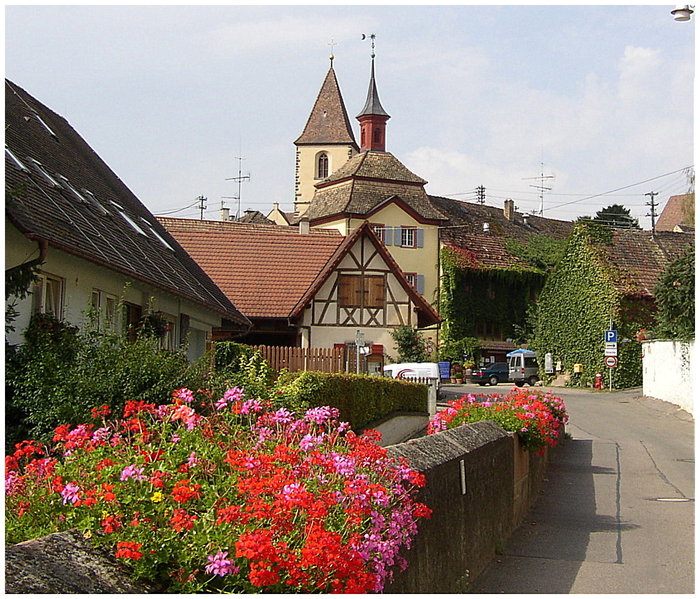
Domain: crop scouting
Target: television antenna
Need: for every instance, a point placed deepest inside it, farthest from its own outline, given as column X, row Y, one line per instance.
column 239, row 179
column 541, row 187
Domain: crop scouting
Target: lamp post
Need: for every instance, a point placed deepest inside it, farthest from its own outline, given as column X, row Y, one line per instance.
column 682, row 12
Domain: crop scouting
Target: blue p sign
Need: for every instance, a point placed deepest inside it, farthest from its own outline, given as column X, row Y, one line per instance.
column 610, row 336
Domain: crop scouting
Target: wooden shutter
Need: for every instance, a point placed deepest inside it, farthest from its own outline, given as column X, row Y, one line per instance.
column 420, row 284
column 397, row 236
column 388, row 236
column 374, row 287
column 419, row 238
column 349, row 291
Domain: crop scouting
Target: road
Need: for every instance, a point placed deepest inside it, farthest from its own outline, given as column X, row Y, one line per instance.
column 616, row 511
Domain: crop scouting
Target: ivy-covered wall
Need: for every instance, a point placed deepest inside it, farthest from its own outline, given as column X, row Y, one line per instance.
column 576, row 307
column 473, row 295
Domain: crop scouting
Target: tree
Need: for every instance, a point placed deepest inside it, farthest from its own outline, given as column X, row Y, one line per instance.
column 410, row 346
column 675, row 297
column 618, row 216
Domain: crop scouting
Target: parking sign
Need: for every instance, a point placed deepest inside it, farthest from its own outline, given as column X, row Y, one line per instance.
column 610, row 336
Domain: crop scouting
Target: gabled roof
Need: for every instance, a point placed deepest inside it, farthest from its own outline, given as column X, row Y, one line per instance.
column 61, row 191
column 483, row 250
column 674, row 212
column 328, row 122
column 642, row 258
column 255, row 217
column 367, row 180
column 426, row 313
column 264, row 269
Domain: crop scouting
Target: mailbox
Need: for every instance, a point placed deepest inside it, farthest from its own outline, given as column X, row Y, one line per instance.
column 578, row 368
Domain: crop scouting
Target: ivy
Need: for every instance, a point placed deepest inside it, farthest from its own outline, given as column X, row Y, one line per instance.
column 540, row 252
column 578, row 303
column 675, row 294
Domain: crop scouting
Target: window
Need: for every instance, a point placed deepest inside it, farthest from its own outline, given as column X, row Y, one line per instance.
column 105, row 308
column 14, row 159
column 132, row 316
column 47, row 295
column 411, row 278
column 361, row 291
column 379, row 230
column 322, row 166
column 377, row 136
column 44, row 173
column 408, row 237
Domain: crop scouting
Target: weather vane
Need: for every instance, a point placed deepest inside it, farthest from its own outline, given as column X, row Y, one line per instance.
column 372, row 37
column 331, row 44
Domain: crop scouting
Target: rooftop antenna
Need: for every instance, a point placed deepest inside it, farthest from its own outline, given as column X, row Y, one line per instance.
column 541, row 187
column 240, row 178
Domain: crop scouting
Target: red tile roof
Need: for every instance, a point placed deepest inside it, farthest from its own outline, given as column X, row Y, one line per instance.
column 674, row 212
column 263, row 269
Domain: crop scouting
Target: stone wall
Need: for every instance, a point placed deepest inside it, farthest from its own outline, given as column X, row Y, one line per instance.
column 479, row 484
column 668, row 372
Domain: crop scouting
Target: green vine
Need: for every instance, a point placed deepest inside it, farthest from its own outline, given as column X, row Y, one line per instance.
column 578, row 303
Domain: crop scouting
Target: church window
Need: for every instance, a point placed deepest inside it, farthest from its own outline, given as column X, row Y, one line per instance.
column 322, row 166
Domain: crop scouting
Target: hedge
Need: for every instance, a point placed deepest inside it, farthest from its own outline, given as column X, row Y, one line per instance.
column 361, row 399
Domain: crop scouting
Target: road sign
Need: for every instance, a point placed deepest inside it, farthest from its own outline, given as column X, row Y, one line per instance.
column 611, row 361
column 610, row 349
column 610, row 336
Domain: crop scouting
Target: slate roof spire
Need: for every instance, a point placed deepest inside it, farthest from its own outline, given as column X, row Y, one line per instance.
column 373, row 117
column 328, row 122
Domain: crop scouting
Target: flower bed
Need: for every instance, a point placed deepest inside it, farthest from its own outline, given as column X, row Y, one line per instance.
column 231, row 497
column 538, row 418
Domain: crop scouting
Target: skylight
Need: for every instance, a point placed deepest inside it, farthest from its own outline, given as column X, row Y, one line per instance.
column 93, row 200
column 129, row 220
column 44, row 173
column 38, row 118
column 14, row 159
column 76, row 194
column 157, row 236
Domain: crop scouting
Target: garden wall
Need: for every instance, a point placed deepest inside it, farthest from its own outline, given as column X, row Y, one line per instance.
column 479, row 484
column 667, row 371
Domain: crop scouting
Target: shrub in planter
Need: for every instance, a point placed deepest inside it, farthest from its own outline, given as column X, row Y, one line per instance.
column 233, row 496
column 537, row 418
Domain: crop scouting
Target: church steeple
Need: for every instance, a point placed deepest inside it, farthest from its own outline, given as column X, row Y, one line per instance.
column 373, row 117
column 326, row 143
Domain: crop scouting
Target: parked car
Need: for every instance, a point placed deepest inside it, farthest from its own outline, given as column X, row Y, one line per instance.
column 494, row 374
column 523, row 367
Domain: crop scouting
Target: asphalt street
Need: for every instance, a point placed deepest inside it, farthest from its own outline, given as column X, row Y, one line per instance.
column 616, row 511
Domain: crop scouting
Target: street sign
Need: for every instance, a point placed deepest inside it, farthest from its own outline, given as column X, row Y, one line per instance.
column 610, row 349
column 610, row 336
column 611, row 361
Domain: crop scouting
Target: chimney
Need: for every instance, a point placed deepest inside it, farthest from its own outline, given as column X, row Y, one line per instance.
column 487, row 227
column 304, row 225
column 225, row 214
column 509, row 209
column 525, row 217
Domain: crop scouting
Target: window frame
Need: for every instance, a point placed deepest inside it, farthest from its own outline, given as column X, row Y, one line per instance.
column 322, row 165
column 40, row 292
column 413, row 236
column 357, row 291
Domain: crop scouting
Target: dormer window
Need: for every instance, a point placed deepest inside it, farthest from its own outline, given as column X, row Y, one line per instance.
column 322, row 166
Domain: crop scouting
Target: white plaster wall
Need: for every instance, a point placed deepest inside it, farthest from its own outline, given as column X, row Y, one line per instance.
column 668, row 368
column 81, row 277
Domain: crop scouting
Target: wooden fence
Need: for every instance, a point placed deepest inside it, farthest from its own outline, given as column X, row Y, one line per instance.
column 294, row 359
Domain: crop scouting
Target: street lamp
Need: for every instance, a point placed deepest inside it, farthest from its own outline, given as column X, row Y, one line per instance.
column 682, row 12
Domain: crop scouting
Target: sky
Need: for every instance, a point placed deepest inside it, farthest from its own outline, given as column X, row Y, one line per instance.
column 593, row 102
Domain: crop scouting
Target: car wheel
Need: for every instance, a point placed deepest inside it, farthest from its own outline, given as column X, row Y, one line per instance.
column 482, row 384
column 493, row 381
column 532, row 380
column 519, row 383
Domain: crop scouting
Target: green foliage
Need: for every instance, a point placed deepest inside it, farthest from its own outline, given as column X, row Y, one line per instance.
column 473, row 296
column 675, row 296
column 361, row 399
column 18, row 281
column 540, row 252
column 228, row 354
column 576, row 306
column 617, row 216
column 462, row 350
column 60, row 373
column 248, row 371
column 410, row 346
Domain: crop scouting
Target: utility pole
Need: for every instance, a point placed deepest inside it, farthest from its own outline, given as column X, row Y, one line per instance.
column 652, row 212
column 481, row 194
column 202, row 205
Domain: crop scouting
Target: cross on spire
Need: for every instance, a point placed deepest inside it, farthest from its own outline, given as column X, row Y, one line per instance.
column 331, row 44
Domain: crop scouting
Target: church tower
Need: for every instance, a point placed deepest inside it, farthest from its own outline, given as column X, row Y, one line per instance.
column 326, row 143
column 373, row 119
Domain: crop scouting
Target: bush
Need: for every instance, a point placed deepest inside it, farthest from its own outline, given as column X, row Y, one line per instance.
column 361, row 399
column 410, row 346
column 233, row 497
column 60, row 373
column 228, row 355
column 538, row 418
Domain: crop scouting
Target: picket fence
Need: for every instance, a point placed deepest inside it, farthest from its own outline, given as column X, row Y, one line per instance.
column 294, row 359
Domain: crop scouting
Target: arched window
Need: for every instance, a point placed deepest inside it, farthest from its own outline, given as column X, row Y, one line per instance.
column 322, row 166
column 377, row 136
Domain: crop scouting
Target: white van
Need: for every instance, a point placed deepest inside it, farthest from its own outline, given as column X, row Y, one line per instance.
column 523, row 367
column 415, row 370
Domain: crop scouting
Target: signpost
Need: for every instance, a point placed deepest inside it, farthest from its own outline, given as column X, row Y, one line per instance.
column 610, row 352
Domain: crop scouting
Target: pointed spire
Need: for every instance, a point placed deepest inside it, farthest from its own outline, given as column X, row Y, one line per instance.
column 328, row 122
column 373, row 117
column 372, row 105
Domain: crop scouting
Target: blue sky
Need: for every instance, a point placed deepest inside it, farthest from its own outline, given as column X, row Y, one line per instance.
column 169, row 96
